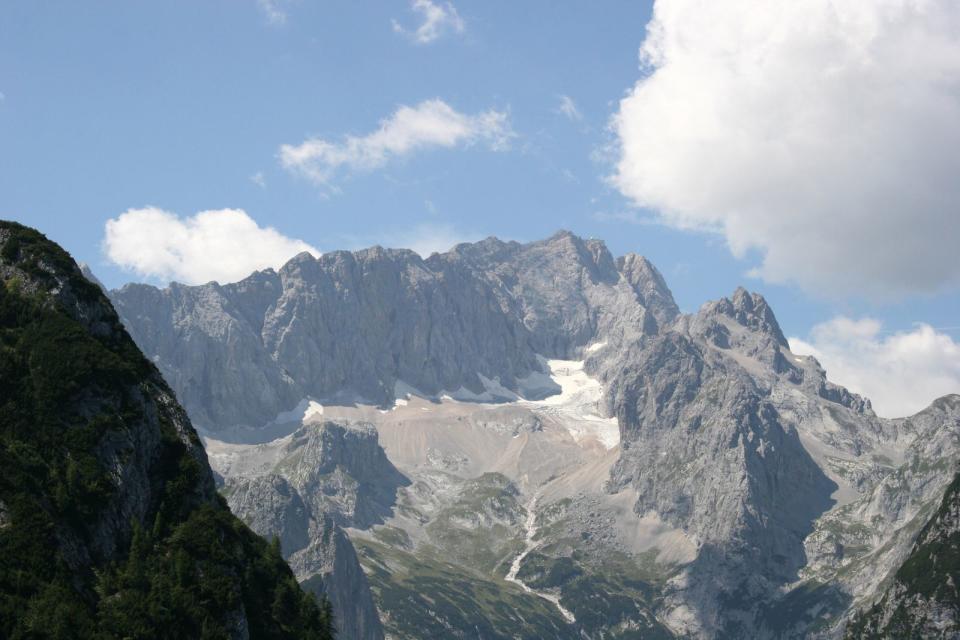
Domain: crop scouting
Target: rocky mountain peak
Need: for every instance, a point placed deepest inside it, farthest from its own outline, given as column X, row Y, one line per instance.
column 752, row 309
column 591, row 254
column 650, row 286
column 749, row 310
column 303, row 256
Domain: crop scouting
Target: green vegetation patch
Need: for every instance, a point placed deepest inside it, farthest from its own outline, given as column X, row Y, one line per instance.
column 422, row 596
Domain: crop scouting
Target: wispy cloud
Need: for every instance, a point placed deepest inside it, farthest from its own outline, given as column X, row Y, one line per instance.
column 568, row 108
column 437, row 19
column 274, row 11
column 224, row 245
column 430, row 124
column 259, row 179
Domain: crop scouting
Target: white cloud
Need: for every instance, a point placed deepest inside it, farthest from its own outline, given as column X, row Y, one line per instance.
column 568, row 108
column 432, row 123
column 274, row 11
column 437, row 19
column 259, row 179
column 900, row 372
column 225, row 245
column 825, row 134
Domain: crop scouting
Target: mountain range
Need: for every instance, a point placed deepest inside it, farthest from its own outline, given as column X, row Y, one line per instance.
column 531, row 441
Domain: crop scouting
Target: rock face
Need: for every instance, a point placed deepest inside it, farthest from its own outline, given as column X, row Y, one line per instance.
column 923, row 600
column 303, row 489
column 351, row 325
column 707, row 449
column 788, row 482
column 110, row 523
column 775, row 503
column 335, row 573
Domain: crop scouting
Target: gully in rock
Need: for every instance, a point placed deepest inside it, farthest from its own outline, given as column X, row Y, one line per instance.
column 530, row 525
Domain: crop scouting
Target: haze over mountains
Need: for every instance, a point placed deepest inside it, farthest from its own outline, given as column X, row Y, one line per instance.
column 529, row 440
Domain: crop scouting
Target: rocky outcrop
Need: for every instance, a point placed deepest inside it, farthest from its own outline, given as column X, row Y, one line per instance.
column 335, row 573
column 345, row 324
column 322, row 477
column 567, row 290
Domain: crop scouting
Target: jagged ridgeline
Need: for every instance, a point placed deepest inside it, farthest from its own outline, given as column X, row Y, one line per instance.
column 110, row 523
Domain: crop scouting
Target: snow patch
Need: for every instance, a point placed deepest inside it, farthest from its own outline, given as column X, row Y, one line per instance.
column 575, row 407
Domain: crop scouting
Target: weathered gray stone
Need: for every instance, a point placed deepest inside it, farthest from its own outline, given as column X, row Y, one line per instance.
column 326, row 476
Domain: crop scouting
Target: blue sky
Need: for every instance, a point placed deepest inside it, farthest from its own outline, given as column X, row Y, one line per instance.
column 184, row 106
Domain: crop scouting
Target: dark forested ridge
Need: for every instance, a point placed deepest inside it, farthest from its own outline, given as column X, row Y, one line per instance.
column 110, row 524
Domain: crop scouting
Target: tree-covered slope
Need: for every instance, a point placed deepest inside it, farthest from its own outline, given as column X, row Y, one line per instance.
column 110, row 524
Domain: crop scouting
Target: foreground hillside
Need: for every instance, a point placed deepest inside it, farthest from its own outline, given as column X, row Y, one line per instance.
column 110, row 523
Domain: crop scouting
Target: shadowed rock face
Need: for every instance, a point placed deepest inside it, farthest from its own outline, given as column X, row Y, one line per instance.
column 708, row 452
column 353, row 324
column 729, row 436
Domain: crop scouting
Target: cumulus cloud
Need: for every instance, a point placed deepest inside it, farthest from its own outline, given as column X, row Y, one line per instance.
column 437, row 19
column 824, row 134
column 225, row 245
column 900, row 372
column 430, row 124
